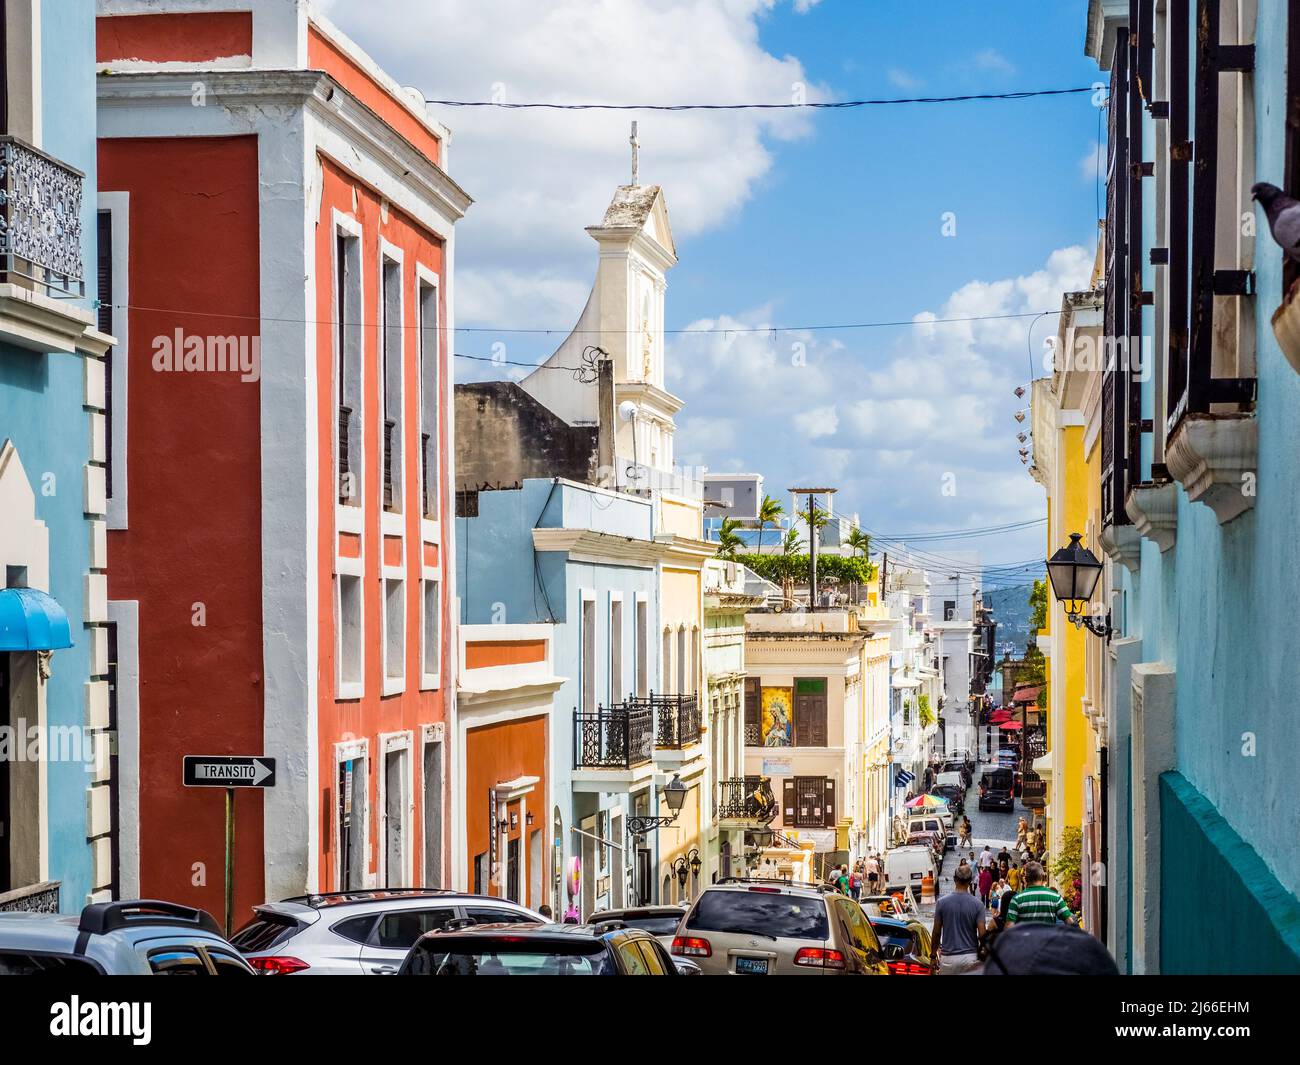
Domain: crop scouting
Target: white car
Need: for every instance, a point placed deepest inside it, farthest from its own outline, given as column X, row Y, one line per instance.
column 909, row 866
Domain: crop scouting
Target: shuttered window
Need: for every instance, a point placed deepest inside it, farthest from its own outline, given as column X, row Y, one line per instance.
column 104, row 323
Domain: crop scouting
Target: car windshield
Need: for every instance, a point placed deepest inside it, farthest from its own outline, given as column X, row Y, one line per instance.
column 263, row 933
column 760, row 913
column 497, row 957
column 890, row 935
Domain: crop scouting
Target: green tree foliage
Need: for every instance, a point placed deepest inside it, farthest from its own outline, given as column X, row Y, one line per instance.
column 1038, row 603
column 1067, row 867
column 794, row 567
column 859, row 541
column 923, row 708
column 769, row 513
column 728, row 542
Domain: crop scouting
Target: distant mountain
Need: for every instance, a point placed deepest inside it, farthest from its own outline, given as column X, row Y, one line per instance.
column 1011, row 610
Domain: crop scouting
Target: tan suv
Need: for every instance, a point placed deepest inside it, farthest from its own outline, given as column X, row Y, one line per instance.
column 774, row 927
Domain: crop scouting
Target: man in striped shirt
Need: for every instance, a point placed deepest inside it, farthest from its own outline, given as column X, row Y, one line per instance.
column 1037, row 903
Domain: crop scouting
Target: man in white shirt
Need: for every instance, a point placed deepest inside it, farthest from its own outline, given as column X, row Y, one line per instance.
column 986, row 857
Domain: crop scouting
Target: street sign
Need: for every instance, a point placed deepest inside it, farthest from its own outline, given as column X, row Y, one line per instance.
column 228, row 771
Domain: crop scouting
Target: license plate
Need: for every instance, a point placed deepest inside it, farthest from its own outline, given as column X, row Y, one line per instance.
column 751, row 966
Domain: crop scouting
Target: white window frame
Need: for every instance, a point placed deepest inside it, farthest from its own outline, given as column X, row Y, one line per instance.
column 349, row 689
column 350, row 749
column 434, row 734
column 393, row 523
column 389, row 742
column 118, row 207
column 588, row 595
column 425, row 277
column 431, row 575
column 615, row 696
column 641, row 669
column 392, row 685
column 348, row 518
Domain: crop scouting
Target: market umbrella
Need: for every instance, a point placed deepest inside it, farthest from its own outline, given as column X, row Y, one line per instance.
column 1011, row 725
column 925, row 800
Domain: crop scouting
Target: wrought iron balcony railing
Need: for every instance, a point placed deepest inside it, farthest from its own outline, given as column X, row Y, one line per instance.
column 753, row 736
column 1033, row 793
column 37, row 898
column 612, row 738
column 40, row 219
column 746, row 798
column 677, row 718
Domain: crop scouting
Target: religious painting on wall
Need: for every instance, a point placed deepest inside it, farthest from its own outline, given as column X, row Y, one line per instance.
column 778, row 721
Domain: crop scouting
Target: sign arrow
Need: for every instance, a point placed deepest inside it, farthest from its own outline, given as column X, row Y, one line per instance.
column 228, row 771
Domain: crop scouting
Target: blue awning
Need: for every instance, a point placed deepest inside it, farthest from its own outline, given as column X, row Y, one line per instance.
column 30, row 620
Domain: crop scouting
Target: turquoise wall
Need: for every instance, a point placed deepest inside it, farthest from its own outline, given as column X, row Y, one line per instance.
column 1221, row 909
column 41, row 411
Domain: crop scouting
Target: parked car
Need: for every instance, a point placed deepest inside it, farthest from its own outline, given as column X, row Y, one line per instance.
column 609, row 949
column 778, row 927
column 932, row 823
column 934, row 840
column 136, row 937
column 954, row 778
column 361, row 932
column 660, row 921
column 900, row 903
column 955, row 794
column 906, row 943
column 996, row 790
column 909, row 866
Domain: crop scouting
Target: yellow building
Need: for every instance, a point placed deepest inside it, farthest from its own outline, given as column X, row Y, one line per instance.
column 1066, row 423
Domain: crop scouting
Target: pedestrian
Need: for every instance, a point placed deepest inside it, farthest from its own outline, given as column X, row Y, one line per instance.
column 986, row 857
column 959, row 924
column 1013, row 876
column 986, row 882
column 964, row 832
column 855, row 881
column 873, row 873
column 546, row 912
column 1037, row 903
column 842, row 880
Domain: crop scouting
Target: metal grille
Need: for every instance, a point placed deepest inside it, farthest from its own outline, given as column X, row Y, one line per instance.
column 40, row 218
column 677, row 718
column 612, row 738
column 345, row 481
column 389, row 426
column 747, row 799
column 428, row 491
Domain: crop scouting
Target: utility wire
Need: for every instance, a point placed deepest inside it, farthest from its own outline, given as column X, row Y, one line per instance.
column 828, row 105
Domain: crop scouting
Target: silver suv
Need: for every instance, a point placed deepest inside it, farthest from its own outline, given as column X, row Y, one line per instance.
column 777, row 927
column 130, row 938
column 361, row 932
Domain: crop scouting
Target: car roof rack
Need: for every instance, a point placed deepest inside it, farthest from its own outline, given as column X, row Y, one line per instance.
column 783, row 880
column 100, row 918
column 317, row 898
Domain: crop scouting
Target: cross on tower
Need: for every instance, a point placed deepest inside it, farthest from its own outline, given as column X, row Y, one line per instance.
column 636, row 144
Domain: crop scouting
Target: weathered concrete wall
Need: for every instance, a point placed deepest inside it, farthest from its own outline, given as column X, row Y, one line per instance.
column 504, row 437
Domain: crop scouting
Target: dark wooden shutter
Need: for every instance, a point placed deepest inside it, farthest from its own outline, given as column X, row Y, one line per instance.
column 828, row 804
column 104, row 322
column 1116, row 297
column 787, row 802
column 1291, row 179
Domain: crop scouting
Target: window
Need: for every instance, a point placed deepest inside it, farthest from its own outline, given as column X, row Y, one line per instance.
column 400, row 929
column 666, row 661
column 642, row 648
column 752, row 913
column 228, row 965
column 753, row 712
column 352, row 787
column 808, row 802
column 810, row 712
column 104, row 323
column 695, row 660
column 432, row 822
column 391, row 359
column 36, row 963
column 177, row 961
column 589, row 655
column 394, row 630
column 490, row 915
column 396, row 787
column 631, row 958
column 349, row 627
column 347, row 371
column 950, row 610
column 615, row 650
column 430, row 401
column 683, row 663
column 431, row 617
column 354, row 929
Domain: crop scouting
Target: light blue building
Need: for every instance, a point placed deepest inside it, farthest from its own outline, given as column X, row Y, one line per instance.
column 584, row 559
column 57, row 795
column 1200, row 440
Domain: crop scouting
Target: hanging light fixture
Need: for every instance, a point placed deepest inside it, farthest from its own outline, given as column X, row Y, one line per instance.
column 1074, row 572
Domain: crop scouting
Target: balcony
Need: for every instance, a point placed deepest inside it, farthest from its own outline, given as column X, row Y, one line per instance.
column 616, row 737
column 40, row 220
column 748, row 799
column 1033, row 794
column 38, row 898
column 677, row 719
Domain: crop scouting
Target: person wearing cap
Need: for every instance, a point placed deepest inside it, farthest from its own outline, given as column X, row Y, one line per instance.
column 1037, row 903
column 960, row 922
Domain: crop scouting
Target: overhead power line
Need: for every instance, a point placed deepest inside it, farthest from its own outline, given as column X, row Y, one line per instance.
column 824, row 105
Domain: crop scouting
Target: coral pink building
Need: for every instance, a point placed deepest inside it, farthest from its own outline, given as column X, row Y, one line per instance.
column 276, row 229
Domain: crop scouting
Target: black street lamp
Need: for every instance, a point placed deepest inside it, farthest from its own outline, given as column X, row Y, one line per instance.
column 674, row 795
column 686, row 866
column 1074, row 572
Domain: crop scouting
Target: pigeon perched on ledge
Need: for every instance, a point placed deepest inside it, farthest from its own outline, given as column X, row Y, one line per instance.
column 1283, row 213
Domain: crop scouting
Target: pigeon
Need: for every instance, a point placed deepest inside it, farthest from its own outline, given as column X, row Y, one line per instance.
column 1283, row 213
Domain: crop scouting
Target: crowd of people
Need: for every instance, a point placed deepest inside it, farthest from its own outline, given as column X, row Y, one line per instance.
column 864, row 877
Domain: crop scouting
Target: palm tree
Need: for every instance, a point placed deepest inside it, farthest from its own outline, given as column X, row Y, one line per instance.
column 791, row 545
column 859, row 541
column 769, row 513
column 728, row 542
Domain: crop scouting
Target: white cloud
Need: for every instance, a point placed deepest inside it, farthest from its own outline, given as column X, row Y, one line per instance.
column 991, row 59
column 802, row 7
column 539, row 177
column 901, row 78
column 818, row 422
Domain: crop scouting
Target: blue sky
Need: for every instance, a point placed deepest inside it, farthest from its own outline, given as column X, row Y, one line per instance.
column 786, row 219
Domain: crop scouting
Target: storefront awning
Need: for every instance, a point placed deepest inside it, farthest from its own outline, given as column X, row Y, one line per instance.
column 31, row 620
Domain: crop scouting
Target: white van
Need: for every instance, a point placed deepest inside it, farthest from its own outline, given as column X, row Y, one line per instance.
column 908, row 866
column 929, row 823
column 953, row 778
